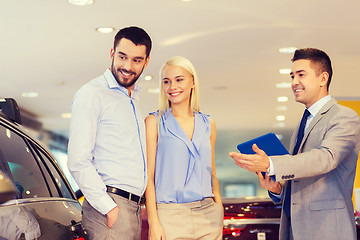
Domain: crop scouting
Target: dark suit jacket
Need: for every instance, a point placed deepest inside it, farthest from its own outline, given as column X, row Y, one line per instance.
column 322, row 176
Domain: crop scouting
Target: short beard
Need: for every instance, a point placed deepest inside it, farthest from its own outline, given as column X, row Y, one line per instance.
column 123, row 83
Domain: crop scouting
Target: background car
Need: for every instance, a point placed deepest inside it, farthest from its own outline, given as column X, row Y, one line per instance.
column 251, row 218
column 43, row 206
column 248, row 218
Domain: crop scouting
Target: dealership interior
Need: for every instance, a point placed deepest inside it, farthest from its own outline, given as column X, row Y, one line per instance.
column 241, row 50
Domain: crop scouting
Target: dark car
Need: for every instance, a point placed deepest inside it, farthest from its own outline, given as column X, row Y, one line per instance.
column 251, row 218
column 248, row 218
column 256, row 218
column 42, row 205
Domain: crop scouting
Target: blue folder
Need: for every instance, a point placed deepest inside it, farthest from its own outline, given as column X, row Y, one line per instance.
column 269, row 143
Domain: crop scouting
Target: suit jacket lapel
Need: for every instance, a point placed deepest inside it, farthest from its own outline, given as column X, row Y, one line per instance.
column 316, row 119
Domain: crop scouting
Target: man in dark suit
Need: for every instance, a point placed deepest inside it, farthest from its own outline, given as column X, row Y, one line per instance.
column 319, row 176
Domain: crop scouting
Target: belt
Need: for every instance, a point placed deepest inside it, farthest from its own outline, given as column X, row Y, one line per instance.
column 124, row 194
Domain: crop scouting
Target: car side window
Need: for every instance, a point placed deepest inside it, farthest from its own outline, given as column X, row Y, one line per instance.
column 24, row 169
column 55, row 176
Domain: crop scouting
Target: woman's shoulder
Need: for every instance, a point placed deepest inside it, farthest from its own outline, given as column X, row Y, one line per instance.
column 205, row 117
column 155, row 114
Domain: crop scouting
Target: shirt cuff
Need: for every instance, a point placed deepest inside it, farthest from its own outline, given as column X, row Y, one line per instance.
column 104, row 204
column 271, row 170
column 276, row 197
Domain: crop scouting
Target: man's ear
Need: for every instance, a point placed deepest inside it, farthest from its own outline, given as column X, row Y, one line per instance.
column 112, row 52
column 146, row 61
column 324, row 79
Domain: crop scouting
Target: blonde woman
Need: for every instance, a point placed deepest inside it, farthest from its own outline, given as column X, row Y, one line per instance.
column 183, row 196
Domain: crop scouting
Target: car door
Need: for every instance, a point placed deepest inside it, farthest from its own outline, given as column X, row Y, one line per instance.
column 44, row 206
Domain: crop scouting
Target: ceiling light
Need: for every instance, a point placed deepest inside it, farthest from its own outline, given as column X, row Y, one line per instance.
column 66, row 115
column 285, row 71
column 29, row 94
column 283, row 85
column 287, row 50
column 105, row 29
column 147, row 77
column 280, row 118
column 282, row 99
column 81, row 2
column 154, row 90
column 186, row 0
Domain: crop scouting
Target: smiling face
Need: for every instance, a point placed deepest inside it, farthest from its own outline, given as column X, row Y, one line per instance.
column 128, row 62
column 177, row 84
column 307, row 85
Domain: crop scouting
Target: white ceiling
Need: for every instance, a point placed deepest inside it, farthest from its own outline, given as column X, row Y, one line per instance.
column 51, row 47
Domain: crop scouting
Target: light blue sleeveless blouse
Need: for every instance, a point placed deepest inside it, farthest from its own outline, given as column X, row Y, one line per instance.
column 183, row 166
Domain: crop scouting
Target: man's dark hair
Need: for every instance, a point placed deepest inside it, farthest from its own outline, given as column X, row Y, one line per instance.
column 318, row 57
column 135, row 34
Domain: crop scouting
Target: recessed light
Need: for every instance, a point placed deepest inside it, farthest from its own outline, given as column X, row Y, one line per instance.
column 282, row 99
column 283, row 85
column 29, row 94
column 81, row 2
column 66, row 115
column 186, row 0
column 147, row 77
column 280, row 118
column 287, row 50
column 285, row 71
column 105, row 29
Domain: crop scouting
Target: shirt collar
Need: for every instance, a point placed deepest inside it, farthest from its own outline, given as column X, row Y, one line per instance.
column 315, row 108
column 112, row 83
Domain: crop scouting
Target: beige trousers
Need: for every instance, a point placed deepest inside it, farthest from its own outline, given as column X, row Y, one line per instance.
column 195, row 220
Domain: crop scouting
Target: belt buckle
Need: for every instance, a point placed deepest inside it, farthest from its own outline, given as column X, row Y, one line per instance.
column 129, row 196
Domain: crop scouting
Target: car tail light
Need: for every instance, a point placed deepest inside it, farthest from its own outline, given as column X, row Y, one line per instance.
column 232, row 226
column 78, row 231
column 234, row 232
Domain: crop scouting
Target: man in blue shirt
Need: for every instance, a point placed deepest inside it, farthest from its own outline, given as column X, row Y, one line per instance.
column 107, row 141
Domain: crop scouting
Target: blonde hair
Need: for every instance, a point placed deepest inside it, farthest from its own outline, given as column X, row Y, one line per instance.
column 164, row 103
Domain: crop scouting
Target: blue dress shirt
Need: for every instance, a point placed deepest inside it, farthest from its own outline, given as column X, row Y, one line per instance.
column 183, row 167
column 107, row 141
